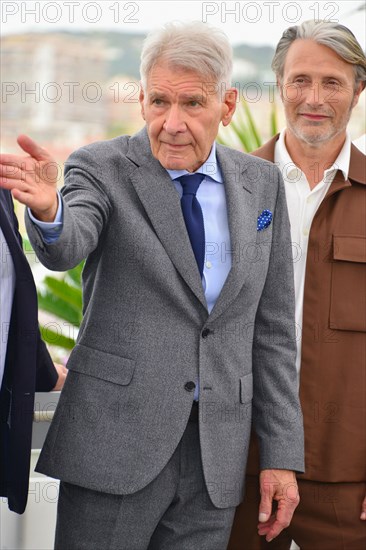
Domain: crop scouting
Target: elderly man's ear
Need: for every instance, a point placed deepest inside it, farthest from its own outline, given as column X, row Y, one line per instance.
column 359, row 90
column 229, row 102
column 141, row 100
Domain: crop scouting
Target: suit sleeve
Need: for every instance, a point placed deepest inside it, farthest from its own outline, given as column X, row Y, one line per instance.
column 277, row 416
column 46, row 375
column 15, row 220
column 86, row 210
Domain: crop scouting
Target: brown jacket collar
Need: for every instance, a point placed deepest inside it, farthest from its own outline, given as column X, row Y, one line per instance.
column 357, row 169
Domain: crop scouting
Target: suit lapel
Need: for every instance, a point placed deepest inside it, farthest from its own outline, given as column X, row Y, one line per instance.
column 10, row 233
column 242, row 214
column 162, row 204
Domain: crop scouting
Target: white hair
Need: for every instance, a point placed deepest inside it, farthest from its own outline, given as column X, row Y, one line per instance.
column 191, row 46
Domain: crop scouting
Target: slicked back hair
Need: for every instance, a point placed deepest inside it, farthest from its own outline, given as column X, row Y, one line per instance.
column 333, row 35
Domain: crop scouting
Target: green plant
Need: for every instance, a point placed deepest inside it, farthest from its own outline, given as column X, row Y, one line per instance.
column 62, row 297
column 243, row 132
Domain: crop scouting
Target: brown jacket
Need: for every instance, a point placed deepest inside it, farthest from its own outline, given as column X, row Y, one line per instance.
column 333, row 360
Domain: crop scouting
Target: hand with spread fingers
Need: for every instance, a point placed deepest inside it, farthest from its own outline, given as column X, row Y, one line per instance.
column 279, row 486
column 32, row 179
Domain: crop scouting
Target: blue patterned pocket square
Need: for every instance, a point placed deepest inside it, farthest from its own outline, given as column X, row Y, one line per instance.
column 264, row 220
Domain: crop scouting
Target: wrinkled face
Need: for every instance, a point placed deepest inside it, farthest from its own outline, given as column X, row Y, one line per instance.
column 182, row 114
column 318, row 92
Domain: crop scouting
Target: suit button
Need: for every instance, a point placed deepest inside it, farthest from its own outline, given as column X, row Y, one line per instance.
column 189, row 386
column 206, row 332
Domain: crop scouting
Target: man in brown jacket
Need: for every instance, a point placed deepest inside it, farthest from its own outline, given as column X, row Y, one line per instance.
column 321, row 72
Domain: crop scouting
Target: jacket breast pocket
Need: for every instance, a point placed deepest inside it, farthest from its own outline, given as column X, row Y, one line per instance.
column 348, row 287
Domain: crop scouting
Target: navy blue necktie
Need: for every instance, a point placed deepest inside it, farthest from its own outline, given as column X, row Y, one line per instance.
column 193, row 217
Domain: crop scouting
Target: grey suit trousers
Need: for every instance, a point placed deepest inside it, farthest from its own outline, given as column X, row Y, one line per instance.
column 173, row 512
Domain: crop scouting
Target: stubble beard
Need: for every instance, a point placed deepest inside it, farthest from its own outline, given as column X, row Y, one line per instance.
column 314, row 138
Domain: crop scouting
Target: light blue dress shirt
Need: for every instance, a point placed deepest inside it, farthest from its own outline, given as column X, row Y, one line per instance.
column 50, row 231
column 212, row 198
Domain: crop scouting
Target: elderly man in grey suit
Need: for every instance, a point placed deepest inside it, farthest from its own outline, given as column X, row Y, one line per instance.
column 188, row 328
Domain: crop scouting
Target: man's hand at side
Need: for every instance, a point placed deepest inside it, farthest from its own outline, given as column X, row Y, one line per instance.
column 32, row 179
column 363, row 510
column 279, row 486
column 62, row 373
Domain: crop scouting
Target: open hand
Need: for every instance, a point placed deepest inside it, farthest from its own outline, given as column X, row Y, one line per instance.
column 32, row 178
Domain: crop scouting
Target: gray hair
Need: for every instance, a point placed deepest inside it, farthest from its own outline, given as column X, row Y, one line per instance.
column 191, row 46
column 333, row 35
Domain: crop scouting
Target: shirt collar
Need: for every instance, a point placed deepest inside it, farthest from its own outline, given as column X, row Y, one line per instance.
column 282, row 157
column 210, row 168
column 343, row 160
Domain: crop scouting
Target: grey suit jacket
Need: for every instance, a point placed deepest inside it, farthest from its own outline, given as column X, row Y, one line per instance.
column 146, row 330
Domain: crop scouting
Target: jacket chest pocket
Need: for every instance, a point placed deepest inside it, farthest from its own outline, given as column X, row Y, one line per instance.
column 348, row 288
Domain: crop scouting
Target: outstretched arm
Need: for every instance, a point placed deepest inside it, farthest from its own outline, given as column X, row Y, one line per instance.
column 32, row 180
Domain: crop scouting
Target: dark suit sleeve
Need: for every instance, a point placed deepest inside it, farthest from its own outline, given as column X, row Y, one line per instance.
column 46, row 376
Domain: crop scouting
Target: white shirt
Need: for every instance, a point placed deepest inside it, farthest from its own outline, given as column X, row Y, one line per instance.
column 7, row 288
column 360, row 143
column 302, row 203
